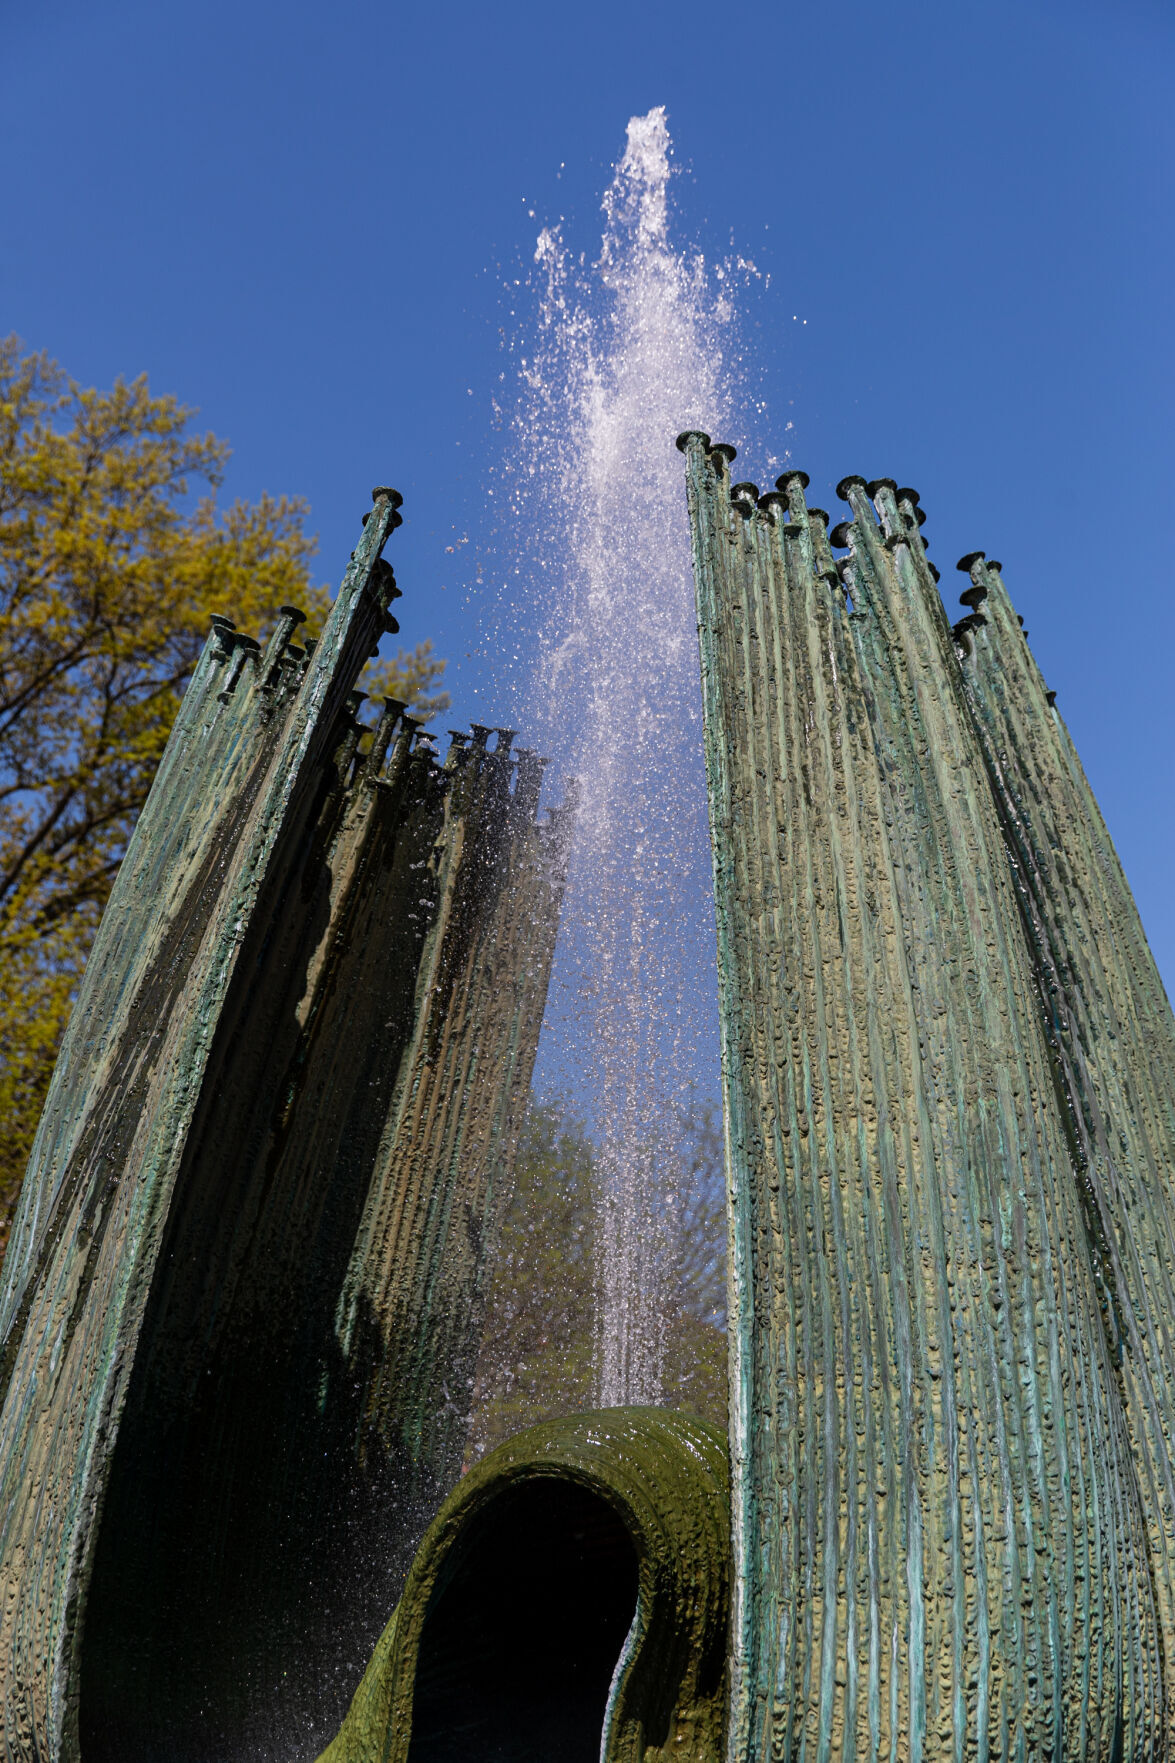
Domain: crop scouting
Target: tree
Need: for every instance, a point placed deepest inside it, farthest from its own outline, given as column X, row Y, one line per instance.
column 539, row 1335
column 110, row 570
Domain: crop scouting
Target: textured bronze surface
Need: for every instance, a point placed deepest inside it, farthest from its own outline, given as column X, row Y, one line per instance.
column 240, row 1305
column 1108, row 1021
column 951, row 1297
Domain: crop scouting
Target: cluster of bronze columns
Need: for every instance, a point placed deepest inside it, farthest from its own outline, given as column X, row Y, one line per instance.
column 949, row 1070
column 241, row 1301
column 240, row 1308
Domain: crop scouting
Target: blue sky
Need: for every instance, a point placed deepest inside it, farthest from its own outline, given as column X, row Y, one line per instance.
column 306, row 220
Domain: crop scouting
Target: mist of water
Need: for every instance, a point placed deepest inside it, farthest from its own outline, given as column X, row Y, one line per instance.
column 627, row 351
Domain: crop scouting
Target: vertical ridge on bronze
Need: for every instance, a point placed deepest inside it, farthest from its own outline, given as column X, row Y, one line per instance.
column 1110, row 1026
column 206, row 1509
column 121, row 1103
column 940, row 1545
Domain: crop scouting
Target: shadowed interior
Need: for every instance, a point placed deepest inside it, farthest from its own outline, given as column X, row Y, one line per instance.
column 524, row 1629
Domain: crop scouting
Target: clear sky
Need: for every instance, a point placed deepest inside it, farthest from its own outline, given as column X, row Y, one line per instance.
column 306, row 220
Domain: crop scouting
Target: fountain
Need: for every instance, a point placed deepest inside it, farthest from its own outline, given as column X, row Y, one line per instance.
column 622, row 353
column 242, row 1302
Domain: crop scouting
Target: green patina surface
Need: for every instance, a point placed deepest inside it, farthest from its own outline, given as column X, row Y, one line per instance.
column 665, row 1478
column 240, row 1305
column 948, row 1077
column 1111, row 1029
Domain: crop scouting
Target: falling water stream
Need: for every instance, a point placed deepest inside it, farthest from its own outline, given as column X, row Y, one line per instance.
column 627, row 351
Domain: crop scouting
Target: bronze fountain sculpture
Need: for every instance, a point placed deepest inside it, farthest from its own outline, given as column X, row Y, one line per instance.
column 241, row 1302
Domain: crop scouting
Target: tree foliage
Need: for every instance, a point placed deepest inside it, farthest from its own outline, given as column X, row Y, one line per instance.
column 110, row 569
column 539, row 1337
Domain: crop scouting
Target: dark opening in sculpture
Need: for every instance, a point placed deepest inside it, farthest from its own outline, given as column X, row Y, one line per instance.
column 569, row 1601
column 524, row 1629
